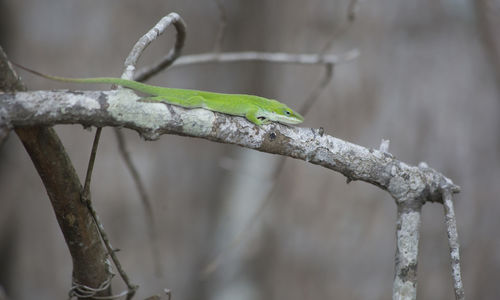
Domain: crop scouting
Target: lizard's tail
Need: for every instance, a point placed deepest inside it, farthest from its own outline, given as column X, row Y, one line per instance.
column 141, row 87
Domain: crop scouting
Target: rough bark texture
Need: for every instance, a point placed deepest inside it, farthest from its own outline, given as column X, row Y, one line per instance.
column 121, row 108
column 407, row 237
column 63, row 187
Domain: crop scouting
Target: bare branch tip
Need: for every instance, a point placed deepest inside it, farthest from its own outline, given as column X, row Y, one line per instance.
column 143, row 42
column 423, row 165
column 384, row 145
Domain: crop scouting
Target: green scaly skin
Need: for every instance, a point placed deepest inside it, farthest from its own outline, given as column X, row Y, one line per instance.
column 257, row 110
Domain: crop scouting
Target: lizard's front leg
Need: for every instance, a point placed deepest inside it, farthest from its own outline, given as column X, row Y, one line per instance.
column 252, row 116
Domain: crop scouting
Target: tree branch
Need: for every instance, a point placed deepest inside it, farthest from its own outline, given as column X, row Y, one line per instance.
column 90, row 264
column 276, row 57
column 90, row 261
column 407, row 238
column 451, row 228
column 147, row 72
column 121, row 109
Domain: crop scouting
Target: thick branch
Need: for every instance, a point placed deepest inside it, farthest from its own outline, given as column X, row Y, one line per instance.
column 121, row 108
column 63, row 187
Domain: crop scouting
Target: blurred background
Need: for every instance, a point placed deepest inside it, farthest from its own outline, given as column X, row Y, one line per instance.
column 427, row 79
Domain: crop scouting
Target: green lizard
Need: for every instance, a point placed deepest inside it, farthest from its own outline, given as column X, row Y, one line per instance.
column 257, row 110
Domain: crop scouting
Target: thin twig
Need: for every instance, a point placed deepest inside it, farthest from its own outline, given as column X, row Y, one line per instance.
column 451, row 229
column 86, row 187
column 352, row 10
column 222, row 26
column 86, row 198
column 112, row 253
column 148, row 38
column 274, row 57
column 329, row 67
column 314, row 96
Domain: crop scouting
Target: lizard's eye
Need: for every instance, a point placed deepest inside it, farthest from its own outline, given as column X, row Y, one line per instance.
column 287, row 112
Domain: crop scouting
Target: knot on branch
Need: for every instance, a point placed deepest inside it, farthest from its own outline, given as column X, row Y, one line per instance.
column 413, row 186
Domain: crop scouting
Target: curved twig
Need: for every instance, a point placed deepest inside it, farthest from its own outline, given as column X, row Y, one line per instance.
column 150, row 36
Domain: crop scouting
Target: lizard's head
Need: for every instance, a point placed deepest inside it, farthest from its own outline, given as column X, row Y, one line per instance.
column 281, row 113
